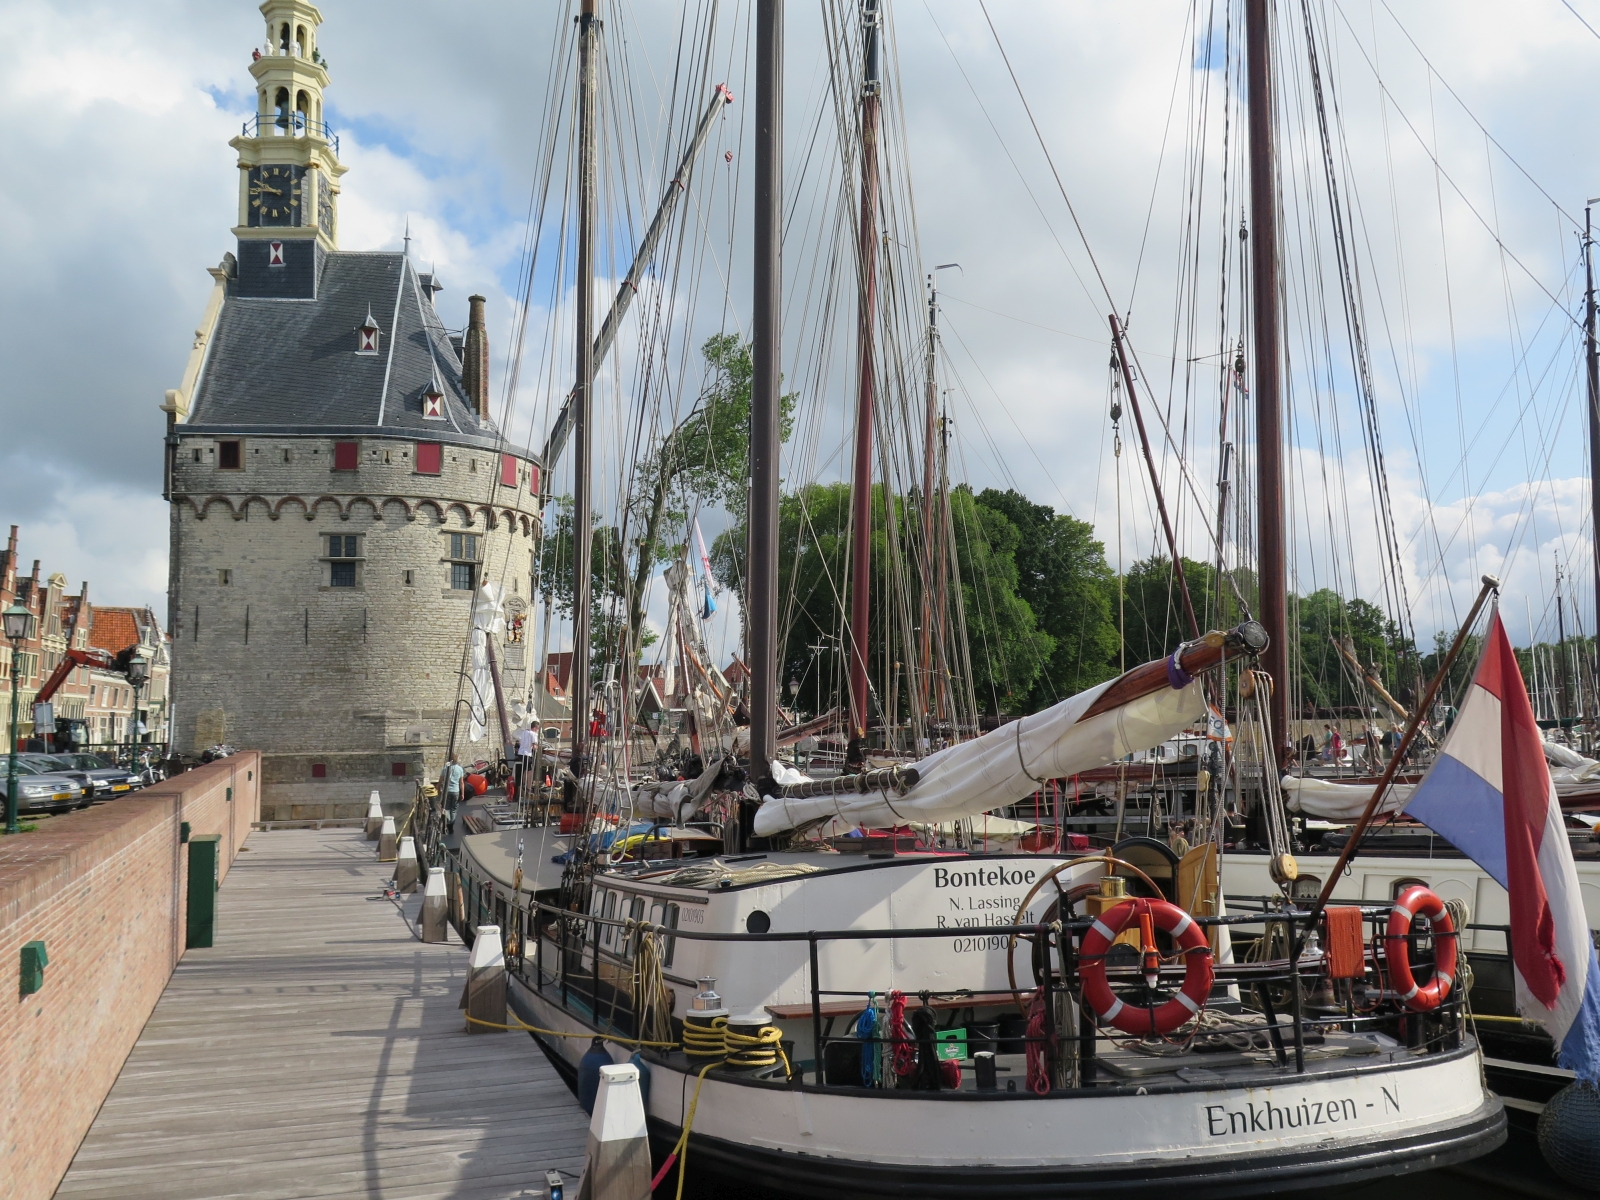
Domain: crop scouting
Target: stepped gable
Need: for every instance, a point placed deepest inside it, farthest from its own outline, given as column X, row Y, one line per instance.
column 284, row 365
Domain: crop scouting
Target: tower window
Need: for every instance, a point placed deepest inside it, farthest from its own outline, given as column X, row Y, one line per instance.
column 367, row 334
column 461, row 576
column 508, row 471
column 463, row 561
column 344, row 551
column 346, row 456
column 429, row 456
column 228, row 456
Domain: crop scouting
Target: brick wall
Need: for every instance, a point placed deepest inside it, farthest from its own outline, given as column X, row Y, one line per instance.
column 104, row 889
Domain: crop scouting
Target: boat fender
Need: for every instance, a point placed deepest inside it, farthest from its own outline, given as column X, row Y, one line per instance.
column 1418, row 901
column 644, row 1078
column 589, row 1066
column 1192, row 944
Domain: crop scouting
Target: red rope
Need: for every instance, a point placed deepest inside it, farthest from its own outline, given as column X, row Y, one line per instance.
column 1038, row 1073
column 905, row 1051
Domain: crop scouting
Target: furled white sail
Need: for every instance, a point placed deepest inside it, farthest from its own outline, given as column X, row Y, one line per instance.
column 1005, row 765
column 488, row 619
column 1330, row 801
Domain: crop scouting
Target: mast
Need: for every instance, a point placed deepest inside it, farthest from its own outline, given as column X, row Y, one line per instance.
column 1273, row 605
column 1592, row 362
column 930, row 433
column 583, row 390
column 1563, row 694
column 765, row 386
column 867, row 301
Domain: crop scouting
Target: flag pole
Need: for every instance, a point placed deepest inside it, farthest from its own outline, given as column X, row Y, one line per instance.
column 1491, row 585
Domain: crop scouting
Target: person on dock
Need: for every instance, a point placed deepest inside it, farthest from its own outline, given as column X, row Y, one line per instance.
column 454, row 773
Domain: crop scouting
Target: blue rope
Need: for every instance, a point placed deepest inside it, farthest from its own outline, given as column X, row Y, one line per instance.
column 867, row 1030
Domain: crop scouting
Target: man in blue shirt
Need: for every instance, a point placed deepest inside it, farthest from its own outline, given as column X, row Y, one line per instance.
column 453, row 773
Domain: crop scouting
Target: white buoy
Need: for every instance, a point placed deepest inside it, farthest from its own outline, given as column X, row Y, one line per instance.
column 484, row 997
column 618, row 1164
column 388, row 844
column 406, row 867
column 374, row 816
column 435, row 908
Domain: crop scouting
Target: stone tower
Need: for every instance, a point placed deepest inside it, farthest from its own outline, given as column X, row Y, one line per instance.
column 338, row 488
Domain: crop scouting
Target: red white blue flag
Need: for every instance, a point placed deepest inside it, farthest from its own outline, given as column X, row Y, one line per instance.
column 1489, row 794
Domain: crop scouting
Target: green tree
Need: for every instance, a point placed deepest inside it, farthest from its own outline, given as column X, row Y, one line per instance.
column 1152, row 606
column 706, row 457
column 1063, row 576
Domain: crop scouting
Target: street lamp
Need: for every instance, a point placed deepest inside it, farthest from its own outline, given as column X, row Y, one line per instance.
column 15, row 621
column 138, row 672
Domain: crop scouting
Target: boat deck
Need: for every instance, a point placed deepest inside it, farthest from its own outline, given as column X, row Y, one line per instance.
column 318, row 1051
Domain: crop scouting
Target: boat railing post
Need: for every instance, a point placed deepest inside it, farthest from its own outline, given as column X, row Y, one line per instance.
column 1274, row 1031
column 816, row 1008
column 1294, row 997
column 594, row 986
column 1051, row 1058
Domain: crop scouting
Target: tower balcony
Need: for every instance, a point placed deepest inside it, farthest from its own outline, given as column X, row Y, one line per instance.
column 289, row 124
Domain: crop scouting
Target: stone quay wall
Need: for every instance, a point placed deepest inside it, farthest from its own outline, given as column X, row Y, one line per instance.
column 106, row 890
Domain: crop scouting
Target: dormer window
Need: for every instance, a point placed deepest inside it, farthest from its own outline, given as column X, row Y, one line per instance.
column 367, row 335
column 433, row 403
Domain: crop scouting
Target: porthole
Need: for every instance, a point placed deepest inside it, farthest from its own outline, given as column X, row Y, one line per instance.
column 757, row 922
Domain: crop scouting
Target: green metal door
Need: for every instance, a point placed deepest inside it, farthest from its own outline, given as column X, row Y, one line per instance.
column 205, row 853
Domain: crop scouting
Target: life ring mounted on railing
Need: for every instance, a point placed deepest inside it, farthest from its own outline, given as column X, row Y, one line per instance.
column 1192, row 944
column 1418, row 901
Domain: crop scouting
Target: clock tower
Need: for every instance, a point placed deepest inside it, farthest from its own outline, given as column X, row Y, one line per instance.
column 289, row 164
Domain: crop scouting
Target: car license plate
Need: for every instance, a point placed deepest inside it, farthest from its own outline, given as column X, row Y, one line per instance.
column 120, row 787
column 63, row 796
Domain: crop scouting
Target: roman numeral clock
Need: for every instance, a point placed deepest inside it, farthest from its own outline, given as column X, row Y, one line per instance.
column 275, row 195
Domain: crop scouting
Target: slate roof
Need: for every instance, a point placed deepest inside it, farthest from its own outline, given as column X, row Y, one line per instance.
column 290, row 366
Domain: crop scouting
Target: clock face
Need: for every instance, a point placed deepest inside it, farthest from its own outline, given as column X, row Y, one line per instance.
column 275, row 195
column 325, row 207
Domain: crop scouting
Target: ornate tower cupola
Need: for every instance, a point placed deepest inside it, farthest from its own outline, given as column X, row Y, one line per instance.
column 289, row 164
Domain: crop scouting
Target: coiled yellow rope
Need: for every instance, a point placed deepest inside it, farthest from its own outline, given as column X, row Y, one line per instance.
column 706, row 1040
column 762, row 1049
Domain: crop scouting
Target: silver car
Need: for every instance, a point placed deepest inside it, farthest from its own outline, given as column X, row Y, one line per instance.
column 43, row 791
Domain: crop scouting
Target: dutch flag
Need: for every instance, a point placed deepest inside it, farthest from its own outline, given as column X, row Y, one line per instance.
column 1489, row 794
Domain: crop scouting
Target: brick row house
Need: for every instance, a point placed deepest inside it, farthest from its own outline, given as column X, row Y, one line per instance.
column 94, row 707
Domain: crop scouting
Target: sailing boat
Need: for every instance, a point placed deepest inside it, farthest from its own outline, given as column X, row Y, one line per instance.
column 960, row 1023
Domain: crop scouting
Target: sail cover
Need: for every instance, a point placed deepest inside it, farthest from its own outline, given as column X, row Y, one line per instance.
column 1331, row 801
column 1006, row 764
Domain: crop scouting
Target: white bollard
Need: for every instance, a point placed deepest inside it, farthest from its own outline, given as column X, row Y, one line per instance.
column 387, row 842
column 406, row 867
column 618, row 1164
column 435, row 908
column 374, row 816
column 484, row 997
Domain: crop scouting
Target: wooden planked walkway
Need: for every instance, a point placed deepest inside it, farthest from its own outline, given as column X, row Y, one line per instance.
column 318, row 1051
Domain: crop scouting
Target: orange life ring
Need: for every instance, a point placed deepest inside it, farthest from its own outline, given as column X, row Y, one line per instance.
column 1192, row 944
column 1418, row 901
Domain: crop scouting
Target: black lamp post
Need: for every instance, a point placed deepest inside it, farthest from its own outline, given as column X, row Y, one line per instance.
column 16, row 620
column 138, row 672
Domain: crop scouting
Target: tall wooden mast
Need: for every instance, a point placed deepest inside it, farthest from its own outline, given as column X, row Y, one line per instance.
column 1272, row 608
column 1592, row 365
column 867, row 302
column 930, row 483
column 766, row 311
column 583, row 391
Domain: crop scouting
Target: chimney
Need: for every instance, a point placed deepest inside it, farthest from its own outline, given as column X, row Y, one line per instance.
column 8, row 562
column 475, row 360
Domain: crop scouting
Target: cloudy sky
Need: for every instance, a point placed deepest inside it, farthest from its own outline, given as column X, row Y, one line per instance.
column 1463, row 184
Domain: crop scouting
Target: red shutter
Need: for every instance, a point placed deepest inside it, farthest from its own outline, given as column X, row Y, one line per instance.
column 508, row 471
column 346, row 455
column 430, row 458
column 533, row 478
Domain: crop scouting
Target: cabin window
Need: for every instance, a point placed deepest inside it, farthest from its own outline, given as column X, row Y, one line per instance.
column 1401, row 885
column 1307, row 887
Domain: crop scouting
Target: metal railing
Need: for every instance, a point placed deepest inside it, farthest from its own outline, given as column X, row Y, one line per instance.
column 578, row 975
column 289, row 124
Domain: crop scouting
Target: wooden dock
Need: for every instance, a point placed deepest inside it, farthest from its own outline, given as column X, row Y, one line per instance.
column 318, row 1051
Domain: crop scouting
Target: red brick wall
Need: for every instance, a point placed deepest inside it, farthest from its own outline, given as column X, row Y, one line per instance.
column 104, row 890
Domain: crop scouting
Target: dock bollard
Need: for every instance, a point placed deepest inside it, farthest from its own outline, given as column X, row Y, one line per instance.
column 618, row 1163
column 406, row 867
column 388, row 843
column 484, row 997
column 435, row 908
column 374, row 816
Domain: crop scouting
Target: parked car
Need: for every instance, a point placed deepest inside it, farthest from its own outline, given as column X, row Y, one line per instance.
column 109, row 779
column 52, row 764
column 43, row 791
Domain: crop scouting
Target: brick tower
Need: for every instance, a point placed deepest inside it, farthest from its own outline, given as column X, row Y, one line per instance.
column 338, row 488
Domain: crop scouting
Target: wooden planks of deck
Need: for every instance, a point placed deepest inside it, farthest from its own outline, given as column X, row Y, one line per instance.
column 318, row 1051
